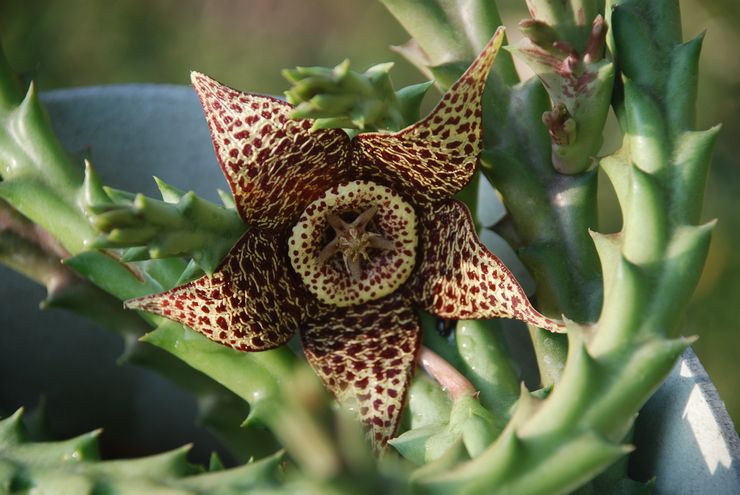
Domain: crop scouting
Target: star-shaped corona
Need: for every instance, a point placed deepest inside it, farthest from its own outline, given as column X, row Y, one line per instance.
column 373, row 240
column 347, row 239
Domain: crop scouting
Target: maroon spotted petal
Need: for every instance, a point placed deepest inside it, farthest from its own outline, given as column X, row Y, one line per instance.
column 365, row 355
column 434, row 158
column 252, row 302
column 274, row 165
column 459, row 278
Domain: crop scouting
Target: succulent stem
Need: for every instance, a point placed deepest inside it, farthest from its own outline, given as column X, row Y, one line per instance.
column 635, row 333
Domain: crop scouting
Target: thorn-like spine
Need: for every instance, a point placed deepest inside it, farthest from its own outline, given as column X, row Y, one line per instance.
column 92, row 187
column 170, row 194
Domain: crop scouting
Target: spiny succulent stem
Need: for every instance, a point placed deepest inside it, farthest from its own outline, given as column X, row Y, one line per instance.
column 12, row 221
column 27, row 258
column 451, row 380
column 30, row 250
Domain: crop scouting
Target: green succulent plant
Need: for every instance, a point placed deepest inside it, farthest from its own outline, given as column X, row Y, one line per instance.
column 470, row 426
column 74, row 466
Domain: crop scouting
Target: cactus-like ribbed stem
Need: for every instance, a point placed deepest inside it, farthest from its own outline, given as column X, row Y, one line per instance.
column 342, row 98
column 181, row 225
column 649, row 267
column 74, row 466
column 34, row 165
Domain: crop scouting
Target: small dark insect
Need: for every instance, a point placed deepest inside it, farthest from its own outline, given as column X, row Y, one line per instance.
column 445, row 327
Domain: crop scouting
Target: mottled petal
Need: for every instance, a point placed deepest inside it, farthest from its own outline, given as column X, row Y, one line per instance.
column 365, row 356
column 434, row 158
column 274, row 165
column 459, row 278
column 252, row 302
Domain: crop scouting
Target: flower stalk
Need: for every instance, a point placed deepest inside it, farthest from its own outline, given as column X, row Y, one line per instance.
column 452, row 382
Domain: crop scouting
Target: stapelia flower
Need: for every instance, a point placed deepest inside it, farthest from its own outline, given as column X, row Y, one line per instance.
column 347, row 237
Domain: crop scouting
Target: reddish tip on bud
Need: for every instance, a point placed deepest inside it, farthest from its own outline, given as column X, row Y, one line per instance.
column 538, row 32
column 596, row 41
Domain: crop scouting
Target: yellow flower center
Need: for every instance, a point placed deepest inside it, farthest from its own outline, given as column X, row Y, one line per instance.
column 355, row 243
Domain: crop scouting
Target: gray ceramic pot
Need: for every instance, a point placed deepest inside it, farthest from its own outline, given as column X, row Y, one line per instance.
column 684, row 434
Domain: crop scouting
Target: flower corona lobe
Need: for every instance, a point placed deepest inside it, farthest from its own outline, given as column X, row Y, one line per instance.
column 382, row 268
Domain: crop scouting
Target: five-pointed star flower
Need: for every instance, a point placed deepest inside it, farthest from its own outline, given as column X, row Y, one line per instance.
column 347, row 237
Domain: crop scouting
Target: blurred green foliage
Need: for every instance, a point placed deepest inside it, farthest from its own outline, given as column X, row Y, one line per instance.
column 246, row 44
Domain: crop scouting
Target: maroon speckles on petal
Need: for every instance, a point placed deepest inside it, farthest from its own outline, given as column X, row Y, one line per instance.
column 434, row 158
column 251, row 302
column 263, row 180
column 378, row 389
column 443, row 284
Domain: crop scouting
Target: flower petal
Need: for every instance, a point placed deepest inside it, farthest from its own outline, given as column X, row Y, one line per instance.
column 459, row 278
column 434, row 158
column 274, row 165
column 366, row 355
column 252, row 302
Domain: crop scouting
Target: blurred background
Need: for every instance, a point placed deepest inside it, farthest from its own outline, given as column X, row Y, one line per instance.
column 245, row 43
